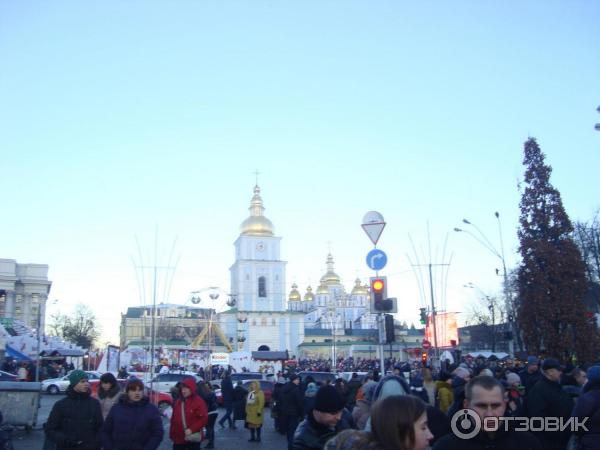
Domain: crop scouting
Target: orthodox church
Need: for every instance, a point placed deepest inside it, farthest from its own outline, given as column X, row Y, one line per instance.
column 261, row 317
column 331, row 307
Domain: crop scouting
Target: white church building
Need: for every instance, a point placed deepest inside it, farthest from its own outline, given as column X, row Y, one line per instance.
column 260, row 316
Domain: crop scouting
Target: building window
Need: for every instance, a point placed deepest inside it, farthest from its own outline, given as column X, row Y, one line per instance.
column 263, row 322
column 253, row 322
column 262, row 287
column 273, row 322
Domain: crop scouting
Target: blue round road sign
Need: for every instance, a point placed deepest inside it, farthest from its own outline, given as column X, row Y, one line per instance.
column 376, row 259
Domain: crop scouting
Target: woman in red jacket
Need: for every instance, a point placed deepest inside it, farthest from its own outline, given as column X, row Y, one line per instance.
column 195, row 416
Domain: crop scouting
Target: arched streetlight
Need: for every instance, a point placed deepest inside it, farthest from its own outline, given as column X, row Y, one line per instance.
column 485, row 242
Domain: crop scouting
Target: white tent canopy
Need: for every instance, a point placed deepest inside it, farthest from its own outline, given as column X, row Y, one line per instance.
column 488, row 354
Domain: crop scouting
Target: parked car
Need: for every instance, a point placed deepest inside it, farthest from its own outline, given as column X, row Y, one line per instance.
column 347, row 376
column 265, row 386
column 161, row 399
column 319, row 377
column 163, row 382
column 56, row 385
column 235, row 377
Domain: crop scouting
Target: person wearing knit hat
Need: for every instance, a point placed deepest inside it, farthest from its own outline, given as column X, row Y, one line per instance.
column 513, row 379
column 76, row 376
column 75, row 421
column 325, row 420
column 514, row 392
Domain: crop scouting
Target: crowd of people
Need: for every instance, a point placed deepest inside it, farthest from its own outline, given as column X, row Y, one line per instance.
column 411, row 407
column 26, row 370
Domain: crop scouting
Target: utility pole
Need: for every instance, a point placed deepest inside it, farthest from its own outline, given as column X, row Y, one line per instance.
column 155, row 267
column 436, row 350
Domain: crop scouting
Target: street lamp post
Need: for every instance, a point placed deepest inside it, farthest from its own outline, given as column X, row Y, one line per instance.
column 490, row 247
column 491, row 308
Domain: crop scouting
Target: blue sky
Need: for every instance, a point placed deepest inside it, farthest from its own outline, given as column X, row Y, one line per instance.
column 117, row 117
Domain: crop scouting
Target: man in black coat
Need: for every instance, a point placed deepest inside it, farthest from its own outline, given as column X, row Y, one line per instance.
column 530, row 375
column 548, row 399
column 327, row 419
column 484, row 395
column 291, row 407
column 76, row 420
column 227, row 393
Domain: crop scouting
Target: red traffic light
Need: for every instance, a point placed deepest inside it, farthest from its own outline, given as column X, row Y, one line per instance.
column 377, row 285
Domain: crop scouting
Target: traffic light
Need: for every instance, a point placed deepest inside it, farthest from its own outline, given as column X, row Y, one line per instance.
column 424, row 357
column 390, row 334
column 423, row 316
column 379, row 300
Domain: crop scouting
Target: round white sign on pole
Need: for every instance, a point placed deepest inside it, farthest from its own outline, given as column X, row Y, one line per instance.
column 373, row 224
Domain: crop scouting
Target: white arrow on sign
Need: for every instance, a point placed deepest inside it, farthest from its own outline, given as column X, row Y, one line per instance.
column 373, row 224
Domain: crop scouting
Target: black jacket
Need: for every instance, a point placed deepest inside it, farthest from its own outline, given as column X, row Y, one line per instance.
column 312, row 435
column 503, row 440
column 210, row 400
column 528, row 380
column 588, row 405
column 291, row 400
column 227, row 390
column 75, row 422
column 239, row 403
column 547, row 399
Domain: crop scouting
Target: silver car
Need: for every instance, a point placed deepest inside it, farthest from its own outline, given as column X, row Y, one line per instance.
column 163, row 382
column 56, row 385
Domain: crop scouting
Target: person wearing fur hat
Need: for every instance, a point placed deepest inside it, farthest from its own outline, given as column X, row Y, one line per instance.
column 192, row 410
column 76, row 420
column 133, row 423
column 323, row 422
column 108, row 393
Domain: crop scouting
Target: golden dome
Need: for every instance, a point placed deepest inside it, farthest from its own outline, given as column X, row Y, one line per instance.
column 294, row 294
column 330, row 277
column 309, row 296
column 322, row 289
column 257, row 224
column 358, row 289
